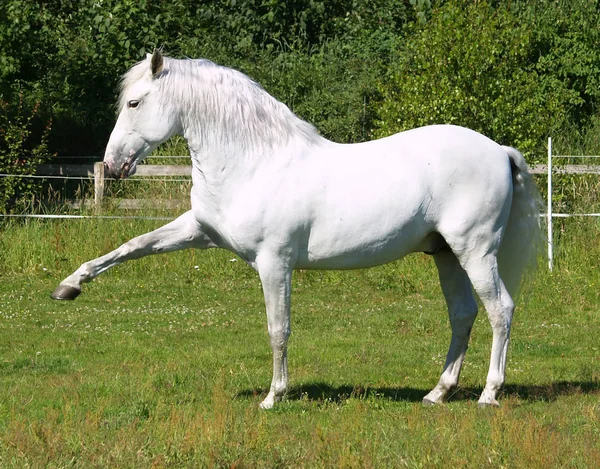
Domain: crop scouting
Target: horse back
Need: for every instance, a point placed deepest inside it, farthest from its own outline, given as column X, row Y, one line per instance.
column 377, row 201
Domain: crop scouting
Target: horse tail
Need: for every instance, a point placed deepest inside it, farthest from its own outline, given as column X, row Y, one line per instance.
column 522, row 241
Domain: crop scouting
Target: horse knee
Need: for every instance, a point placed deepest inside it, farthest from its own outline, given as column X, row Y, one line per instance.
column 279, row 337
column 501, row 318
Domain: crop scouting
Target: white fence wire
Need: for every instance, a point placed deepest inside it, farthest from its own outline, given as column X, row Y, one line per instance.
column 150, row 173
column 568, row 169
column 95, row 172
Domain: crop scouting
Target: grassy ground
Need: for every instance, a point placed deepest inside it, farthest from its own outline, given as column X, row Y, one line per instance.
column 162, row 362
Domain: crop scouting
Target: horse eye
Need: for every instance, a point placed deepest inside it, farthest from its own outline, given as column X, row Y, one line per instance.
column 132, row 104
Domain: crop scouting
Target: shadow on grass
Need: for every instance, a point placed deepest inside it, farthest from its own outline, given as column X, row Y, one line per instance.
column 551, row 391
column 321, row 392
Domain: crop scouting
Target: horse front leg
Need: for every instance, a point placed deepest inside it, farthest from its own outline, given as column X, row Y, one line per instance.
column 183, row 232
column 276, row 278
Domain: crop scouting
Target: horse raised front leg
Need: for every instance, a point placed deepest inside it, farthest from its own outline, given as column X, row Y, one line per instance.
column 276, row 278
column 462, row 310
column 183, row 232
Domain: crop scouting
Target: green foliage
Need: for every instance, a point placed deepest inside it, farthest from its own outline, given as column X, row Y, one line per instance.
column 26, row 35
column 20, row 153
column 490, row 69
column 515, row 70
column 271, row 24
column 329, row 87
column 566, row 39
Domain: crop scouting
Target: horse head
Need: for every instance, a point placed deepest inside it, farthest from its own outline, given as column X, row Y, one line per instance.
column 144, row 121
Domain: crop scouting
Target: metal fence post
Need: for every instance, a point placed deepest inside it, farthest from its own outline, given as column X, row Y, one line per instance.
column 550, row 243
column 98, row 184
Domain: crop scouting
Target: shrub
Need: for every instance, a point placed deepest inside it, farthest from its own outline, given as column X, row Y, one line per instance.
column 492, row 69
column 19, row 153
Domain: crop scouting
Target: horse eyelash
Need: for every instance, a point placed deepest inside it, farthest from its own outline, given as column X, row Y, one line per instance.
column 132, row 104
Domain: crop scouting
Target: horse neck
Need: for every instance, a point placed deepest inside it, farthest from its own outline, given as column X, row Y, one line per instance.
column 227, row 164
column 233, row 124
column 226, row 156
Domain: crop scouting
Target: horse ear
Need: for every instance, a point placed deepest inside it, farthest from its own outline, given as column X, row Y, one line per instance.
column 156, row 63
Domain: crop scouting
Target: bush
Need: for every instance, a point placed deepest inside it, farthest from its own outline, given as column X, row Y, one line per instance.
column 19, row 153
column 495, row 70
column 72, row 54
column 328, row 87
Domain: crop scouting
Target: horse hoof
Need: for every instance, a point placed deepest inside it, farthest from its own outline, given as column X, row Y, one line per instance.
column 489, row 405
column 64, row 292
column 428, row 403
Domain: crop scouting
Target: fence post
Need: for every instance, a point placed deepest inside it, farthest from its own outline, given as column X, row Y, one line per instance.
column 549, row 220
column 98, row 184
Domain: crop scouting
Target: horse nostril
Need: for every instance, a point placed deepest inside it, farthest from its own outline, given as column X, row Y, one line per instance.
column 108, row 172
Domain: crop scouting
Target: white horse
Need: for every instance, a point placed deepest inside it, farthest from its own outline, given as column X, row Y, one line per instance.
column 267, row 187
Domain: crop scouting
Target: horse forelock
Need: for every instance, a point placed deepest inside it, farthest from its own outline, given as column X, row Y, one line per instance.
column 229, row 101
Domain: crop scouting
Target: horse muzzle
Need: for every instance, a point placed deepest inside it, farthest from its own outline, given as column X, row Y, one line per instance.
column 126, row 169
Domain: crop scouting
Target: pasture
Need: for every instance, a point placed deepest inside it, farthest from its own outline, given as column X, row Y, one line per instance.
column 162, row 362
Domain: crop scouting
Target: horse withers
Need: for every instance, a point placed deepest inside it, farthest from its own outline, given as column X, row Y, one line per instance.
column 269, row 188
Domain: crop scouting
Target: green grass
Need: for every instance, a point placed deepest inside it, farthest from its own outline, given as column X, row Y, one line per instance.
column 162, row 362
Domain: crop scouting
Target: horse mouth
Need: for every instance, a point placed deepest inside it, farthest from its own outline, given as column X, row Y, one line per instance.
column 128, row 168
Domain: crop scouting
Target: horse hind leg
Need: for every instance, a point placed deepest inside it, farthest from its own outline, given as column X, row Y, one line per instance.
column 462, row 310
column 483, row 273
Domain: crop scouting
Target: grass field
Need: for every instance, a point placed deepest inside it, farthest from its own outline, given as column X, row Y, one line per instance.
column 162, row 362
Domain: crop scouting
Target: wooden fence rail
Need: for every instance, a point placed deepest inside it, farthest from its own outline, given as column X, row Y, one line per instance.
column 148, row 170
column 96, row 171
column 91, row 169
column 566, row 169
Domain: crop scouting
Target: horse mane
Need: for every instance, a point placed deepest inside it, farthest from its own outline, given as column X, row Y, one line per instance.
column 227, row 104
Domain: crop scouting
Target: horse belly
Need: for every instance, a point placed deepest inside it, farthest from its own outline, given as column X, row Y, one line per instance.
column 363, row 215
column 346, row 251
column 362, row 240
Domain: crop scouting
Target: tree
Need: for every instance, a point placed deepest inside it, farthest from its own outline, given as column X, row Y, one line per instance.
column 493, row 69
